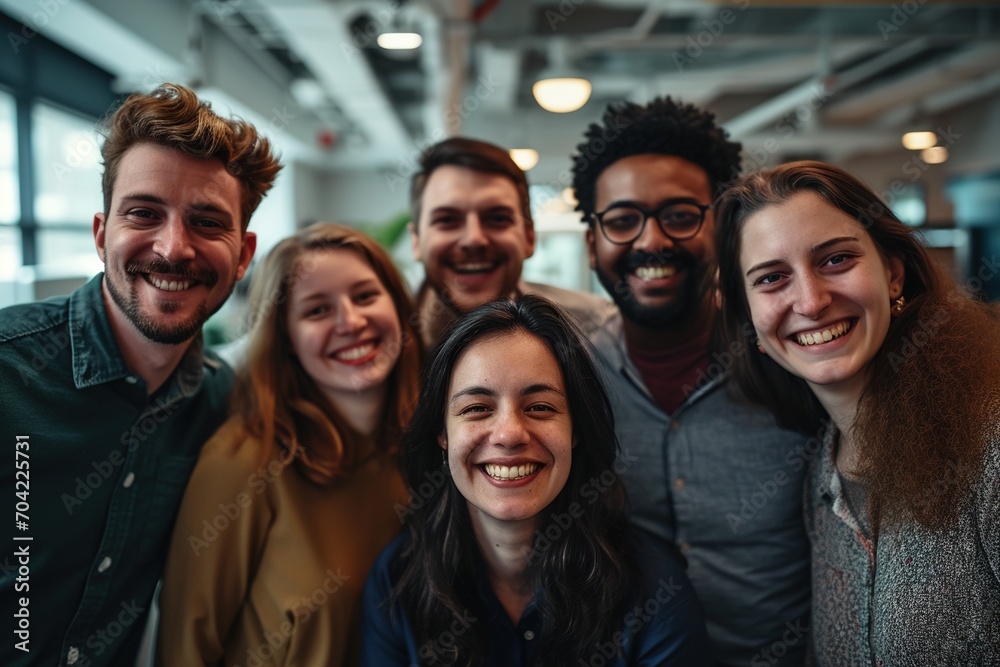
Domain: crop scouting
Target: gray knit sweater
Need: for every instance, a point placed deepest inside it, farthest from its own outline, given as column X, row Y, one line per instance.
column 917, row 597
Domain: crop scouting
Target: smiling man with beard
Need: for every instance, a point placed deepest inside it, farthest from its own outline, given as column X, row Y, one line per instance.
column 472, row 230
column 708, row 475
column 109, row 393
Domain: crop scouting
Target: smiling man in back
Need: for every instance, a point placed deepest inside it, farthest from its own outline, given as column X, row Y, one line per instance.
column 110, row 390
column 472, row 230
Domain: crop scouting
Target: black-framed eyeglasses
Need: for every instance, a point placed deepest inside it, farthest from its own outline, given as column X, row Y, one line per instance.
column 679, row 219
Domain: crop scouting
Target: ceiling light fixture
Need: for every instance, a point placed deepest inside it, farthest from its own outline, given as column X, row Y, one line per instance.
column 399, row 41
column 918, row 141
column 934, row 154
column 524, row 158
column 561, row 94
column 559, row 88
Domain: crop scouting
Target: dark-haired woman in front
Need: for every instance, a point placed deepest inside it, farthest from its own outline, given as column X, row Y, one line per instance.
column 516, row 550
column 859, row 331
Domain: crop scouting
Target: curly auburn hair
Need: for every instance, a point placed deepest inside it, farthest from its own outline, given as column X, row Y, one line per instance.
column 174, row 117
column 662, row 126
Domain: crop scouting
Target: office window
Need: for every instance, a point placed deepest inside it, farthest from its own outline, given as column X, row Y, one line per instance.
column 67, row 167
column 10, row 253
column 10, row 209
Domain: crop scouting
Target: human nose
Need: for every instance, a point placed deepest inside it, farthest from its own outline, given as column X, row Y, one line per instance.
column 173, row 241
column 812, row 297
column 651, row 236
column 510, row 429
column 349, row 318
column 473, row 234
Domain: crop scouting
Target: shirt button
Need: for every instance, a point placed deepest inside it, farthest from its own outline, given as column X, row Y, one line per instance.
column 73, row 655
column 678, row 483
column 529, row 635
column 131, row 379
column 105, row 564
column 684, row 547
column 129, row 478
column 675, row 425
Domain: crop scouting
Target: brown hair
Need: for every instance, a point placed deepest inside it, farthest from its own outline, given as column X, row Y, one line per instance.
column 471, row 154
column 277, row 400
column 173, row 116
column 924, row 420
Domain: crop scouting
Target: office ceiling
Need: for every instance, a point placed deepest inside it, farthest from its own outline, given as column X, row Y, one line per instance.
column 789, row 79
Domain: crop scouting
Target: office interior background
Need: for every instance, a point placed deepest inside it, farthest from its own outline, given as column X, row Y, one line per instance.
column 790, row 79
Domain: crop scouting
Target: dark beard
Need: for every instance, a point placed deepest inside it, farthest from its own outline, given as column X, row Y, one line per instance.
column 148, row 326
column 684, row 307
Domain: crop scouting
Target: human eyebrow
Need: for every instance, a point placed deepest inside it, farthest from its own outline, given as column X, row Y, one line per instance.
column 540, row 388
column 472, row 391
column 764, row 265
column 130, row 200
column 831, row 242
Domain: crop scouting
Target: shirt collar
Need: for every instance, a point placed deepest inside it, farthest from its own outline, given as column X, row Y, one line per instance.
column 827, row 478
column 96, row 356
column 611, row 330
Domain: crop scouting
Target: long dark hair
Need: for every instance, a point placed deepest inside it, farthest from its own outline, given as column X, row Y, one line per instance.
column 583, row 567
column 925, row 418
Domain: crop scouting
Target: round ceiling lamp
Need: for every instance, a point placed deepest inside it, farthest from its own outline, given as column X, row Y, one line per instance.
column 561, row 94
column 524, row 158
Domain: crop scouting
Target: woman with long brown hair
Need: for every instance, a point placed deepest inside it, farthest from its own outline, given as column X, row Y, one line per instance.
column 297, row 493
column 855, row 336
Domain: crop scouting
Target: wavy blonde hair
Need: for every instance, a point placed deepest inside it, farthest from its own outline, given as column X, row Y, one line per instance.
column 278, row 402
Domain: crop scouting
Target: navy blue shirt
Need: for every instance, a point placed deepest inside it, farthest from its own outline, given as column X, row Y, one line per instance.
column 665, row 626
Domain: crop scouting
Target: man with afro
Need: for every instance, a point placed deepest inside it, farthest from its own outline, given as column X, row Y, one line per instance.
column 708, row 476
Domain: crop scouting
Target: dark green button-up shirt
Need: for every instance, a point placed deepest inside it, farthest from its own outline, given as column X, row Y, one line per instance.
column 98, row 468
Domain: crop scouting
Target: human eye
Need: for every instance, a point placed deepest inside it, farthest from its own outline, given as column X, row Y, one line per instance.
column 473, row 410
column 841, row 259
column 621, row 218
column 681, row 217
column 767, row 279
column 140, row 214
column 446, row 220
column 207, row 223
column 367, row 296
column 316, row 311
column 498, row 219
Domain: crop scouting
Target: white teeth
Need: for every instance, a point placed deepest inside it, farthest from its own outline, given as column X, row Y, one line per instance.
column 355, row 352
column 170, row 285
column 474, row 267
column 823, row 336
column 655, row 272
column 509, row 473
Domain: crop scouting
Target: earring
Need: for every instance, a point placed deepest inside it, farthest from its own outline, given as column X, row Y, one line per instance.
column 897, row 305
column 444, row 460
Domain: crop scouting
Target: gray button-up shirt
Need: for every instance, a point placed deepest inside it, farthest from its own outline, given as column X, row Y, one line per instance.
column 916, row 597
column 723, row 484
